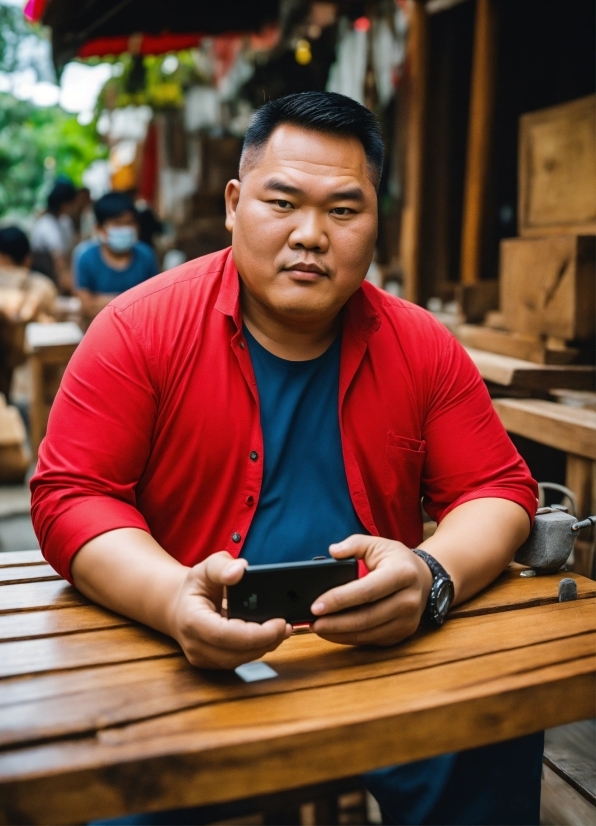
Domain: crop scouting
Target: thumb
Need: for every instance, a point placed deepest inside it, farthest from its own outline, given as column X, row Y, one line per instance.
column 360, row 546
column 222, row 569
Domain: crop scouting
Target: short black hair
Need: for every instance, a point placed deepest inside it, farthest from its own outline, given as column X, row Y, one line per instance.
column 112, row 205
column 326, row 112
column 15, row 244
column 62, row 192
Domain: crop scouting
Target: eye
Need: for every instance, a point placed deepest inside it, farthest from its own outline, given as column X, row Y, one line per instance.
column 283, row 204
column 342, row 211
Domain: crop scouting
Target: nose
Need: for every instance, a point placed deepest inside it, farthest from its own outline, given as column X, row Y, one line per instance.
column 309, row 232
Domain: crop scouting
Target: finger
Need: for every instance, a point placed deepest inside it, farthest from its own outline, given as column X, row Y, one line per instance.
column 396, row 606
column 207, row 656
column 210, row 627
column 383, row 635
column 377, row 584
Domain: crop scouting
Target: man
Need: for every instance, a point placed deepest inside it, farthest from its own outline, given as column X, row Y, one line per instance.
column 266, row 401
column 119, row 261
column 53, row 236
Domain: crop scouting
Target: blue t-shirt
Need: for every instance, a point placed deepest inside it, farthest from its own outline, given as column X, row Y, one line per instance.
column 95, row 275
column 305, row 503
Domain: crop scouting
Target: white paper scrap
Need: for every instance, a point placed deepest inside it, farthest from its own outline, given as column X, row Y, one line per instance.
column 252, row 672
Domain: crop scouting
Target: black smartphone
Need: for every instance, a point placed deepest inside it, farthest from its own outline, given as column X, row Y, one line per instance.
column 286, row 590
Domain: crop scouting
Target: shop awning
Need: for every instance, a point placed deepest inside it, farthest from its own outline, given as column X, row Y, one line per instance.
column 87, row 28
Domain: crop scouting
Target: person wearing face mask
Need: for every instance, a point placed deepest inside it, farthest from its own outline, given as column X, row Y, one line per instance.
column 119, row 261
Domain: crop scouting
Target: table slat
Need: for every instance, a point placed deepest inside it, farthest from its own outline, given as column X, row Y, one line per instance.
column 511, row 591
column 109, row 645
column 264, row 744
column 8, row 558
column 32, row 596
column 33, row 708
column 27, row 573
column 33, row 624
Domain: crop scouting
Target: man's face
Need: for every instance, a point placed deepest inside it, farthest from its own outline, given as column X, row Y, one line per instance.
column 303, row 223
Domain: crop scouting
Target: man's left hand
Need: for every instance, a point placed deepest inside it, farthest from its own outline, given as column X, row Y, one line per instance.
column 381, row 608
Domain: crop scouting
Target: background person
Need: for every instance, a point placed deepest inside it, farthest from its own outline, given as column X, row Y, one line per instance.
column 53, row 236
column 268, row 401
column 24, row 296
column 119, row 261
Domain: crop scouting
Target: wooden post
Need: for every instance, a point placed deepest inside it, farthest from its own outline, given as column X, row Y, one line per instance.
column 482, row 97
column 581, row 478
column 417, row 68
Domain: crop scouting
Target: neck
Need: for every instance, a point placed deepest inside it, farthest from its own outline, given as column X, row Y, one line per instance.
column 294, row 339
column 118, row 260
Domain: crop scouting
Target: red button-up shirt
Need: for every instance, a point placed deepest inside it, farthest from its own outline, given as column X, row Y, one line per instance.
column 156, row 424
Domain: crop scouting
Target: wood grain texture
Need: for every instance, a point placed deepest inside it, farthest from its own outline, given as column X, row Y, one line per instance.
column 547, row 285
column 570, row 429
column 557, row 169
column 37, row 708
column 482, row 96
column 121, row 644
column 33, row 624
column 27, row 573
column 415, row 83
column 33, row 596
column 516, row 345
column 510, row 591
column 508, row 371
column 10, row 558
column 263, row 744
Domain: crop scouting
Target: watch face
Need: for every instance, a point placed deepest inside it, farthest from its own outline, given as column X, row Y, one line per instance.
column 443, row 596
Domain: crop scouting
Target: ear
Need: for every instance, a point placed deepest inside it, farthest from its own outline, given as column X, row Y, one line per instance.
column 232, row 198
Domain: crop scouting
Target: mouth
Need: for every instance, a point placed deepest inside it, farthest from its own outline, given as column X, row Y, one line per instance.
column 308, row 271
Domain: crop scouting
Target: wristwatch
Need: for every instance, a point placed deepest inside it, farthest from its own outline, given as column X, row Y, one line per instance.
column 441, row 592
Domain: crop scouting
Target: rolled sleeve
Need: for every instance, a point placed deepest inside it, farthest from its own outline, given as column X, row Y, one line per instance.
column 469, row 453
column 97, row 444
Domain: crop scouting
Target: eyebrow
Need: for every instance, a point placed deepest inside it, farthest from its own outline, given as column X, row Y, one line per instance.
column 353, row 194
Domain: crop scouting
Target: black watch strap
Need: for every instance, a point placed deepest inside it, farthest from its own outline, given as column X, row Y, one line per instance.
column 436, row 568
column 441, row 592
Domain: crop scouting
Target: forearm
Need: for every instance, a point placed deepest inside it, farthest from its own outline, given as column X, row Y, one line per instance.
column 128, row 572
column 476, row 541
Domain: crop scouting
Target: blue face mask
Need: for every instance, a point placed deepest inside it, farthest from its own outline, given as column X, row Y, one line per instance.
column 121, row 239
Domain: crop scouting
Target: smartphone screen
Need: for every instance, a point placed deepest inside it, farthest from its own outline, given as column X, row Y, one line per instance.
column 286, row 590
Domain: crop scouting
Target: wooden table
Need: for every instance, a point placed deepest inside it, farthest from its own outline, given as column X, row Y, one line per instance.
column 100, row 717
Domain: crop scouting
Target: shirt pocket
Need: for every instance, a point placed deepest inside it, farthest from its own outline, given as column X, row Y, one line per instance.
column 404, row 462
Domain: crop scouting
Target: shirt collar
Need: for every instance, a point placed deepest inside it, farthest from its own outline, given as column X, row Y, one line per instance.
column 361, row 316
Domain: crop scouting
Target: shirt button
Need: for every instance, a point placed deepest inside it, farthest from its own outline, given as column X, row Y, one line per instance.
column 236, row 537
column 250, row 500
column 253, row 455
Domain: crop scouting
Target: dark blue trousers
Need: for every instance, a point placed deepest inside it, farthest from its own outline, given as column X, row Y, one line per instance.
column 496, row 785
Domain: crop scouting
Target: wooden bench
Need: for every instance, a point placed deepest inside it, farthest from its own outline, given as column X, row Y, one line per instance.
column 507, row 371
column 572, row 430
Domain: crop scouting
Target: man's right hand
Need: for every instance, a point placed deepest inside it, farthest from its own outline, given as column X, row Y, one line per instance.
column 208, row 639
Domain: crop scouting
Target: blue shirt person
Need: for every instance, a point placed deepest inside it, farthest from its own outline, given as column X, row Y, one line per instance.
column 119, row 261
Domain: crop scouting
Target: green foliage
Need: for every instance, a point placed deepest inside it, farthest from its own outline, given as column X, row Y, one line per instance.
column 36, row 145
column 143, row 81
column 13, row 28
